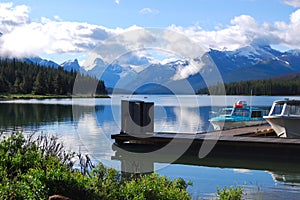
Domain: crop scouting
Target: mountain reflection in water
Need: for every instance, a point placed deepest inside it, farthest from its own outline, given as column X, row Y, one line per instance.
column 87, row 125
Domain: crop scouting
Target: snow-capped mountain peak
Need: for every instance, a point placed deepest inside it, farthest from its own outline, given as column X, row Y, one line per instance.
column 255, row 52
column 293, row 52
column 40, row 61
column 71, row 65
column 178, row 63
column 92, row 63
column 255, row 61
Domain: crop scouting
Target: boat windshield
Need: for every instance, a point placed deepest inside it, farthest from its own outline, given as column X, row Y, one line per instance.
column 292, row 110
column 277, row 109
column 240, row 112
column 225, row 111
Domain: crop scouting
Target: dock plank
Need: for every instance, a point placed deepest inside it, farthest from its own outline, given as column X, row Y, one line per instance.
column 234, row 142
column 239, row 134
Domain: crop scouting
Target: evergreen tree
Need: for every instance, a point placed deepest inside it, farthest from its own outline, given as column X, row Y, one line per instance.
column 39, row 86
column 26, row 85
column 275, row 87
column 23, row 78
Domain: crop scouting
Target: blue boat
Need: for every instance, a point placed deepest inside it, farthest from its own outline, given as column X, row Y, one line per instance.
column 240, row 115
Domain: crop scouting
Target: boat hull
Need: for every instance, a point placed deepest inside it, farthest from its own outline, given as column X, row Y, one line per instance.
column 223, row 125
column 285, row 126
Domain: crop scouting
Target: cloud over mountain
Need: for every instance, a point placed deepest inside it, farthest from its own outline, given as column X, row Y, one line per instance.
column 244, row 30
column 23, row 37
column 13, row 16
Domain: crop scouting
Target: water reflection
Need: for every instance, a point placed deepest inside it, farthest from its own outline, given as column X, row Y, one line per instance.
column 33, row 115
column 181, row 119
column 261, row 179
column 87, row 126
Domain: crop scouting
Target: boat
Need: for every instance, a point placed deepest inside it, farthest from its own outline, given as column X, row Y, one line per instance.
column 284, row 118
column 239, row 115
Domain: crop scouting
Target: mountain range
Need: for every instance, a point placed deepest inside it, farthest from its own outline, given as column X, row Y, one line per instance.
column 255, row 62
column 140, row 74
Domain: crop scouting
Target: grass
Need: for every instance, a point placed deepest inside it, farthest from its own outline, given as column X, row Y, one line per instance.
column 49, row 96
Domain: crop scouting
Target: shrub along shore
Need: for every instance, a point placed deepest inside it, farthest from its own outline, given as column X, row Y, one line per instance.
column 38, row 167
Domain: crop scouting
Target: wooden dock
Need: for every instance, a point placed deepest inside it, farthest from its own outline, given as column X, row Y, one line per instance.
column 252, row 147
column 256, row 142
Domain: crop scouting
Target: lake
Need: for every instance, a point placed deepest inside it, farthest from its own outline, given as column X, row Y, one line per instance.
column 85, row 125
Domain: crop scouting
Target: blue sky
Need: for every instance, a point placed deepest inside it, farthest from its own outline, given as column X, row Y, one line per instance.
column 62, row 29
column 157, row 13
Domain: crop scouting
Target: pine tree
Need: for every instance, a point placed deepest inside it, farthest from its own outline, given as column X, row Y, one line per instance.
column 39, row 84
column 25, row 78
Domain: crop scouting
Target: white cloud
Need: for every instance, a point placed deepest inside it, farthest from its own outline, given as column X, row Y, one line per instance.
column 245, row 30
column 52, row 37
column 21, row 37
column 294, row 3
column 288, row 33
column 57, row 17
column 117, row 2
column 242, row 31
column 24, row 38
column 145, row 11
column 12, row 16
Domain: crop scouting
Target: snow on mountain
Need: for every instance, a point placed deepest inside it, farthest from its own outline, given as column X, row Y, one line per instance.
column 40, row 61
column 131, row 71
column 293, row 52
column 71, row 65
column 142, row 74
column 227, row 61
column 280, row 60
column 36, row 61
column 253, row 53
column 124, row 68
column 94, row 62
column 155, row 78
column 177, row 63
column 95, row 66
column 133, row 59
column 248, row 52
column 110, row 73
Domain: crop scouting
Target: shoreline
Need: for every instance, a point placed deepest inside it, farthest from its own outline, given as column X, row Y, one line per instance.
column 33, row 96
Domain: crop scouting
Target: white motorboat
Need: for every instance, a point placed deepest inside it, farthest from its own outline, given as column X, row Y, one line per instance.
column 240, row 115
column 284, row 117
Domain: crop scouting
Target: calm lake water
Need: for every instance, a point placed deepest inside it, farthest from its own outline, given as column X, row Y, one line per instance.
column 86, row 125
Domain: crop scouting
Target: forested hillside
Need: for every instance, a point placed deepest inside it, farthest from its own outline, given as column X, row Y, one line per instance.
column 18, row 77
column 287, row 85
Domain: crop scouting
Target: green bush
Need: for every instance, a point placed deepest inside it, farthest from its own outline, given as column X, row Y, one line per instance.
column 38, row 168
column 29, row 171
column 154, row 187
column 231, row 193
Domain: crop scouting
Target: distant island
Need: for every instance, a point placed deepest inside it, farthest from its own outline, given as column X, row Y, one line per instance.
column 285, row 85
column 20, row 79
